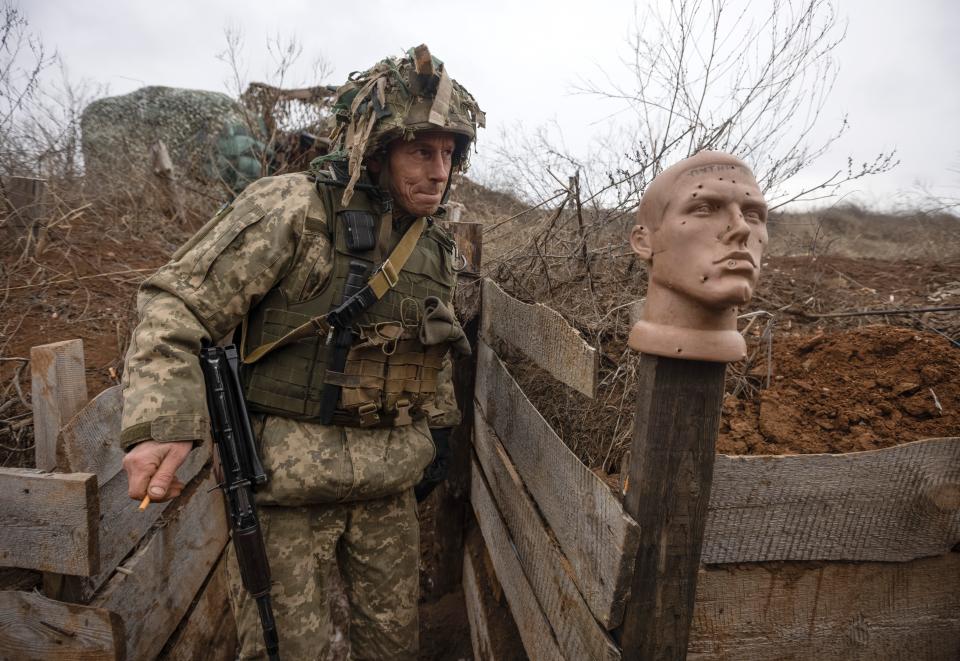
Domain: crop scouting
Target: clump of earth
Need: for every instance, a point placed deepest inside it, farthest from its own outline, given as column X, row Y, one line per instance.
column 846, row 391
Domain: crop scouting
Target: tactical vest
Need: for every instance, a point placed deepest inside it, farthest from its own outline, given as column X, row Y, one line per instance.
column 389, row 374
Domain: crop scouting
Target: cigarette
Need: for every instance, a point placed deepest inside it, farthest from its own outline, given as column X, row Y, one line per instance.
column 144, row 502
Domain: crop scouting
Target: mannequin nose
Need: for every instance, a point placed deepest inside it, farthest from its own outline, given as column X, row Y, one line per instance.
column 738, row 231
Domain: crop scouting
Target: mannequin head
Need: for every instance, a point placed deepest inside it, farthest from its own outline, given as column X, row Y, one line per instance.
column 701, row 227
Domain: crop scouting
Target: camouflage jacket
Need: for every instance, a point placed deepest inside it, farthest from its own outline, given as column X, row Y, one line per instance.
column 203, row 293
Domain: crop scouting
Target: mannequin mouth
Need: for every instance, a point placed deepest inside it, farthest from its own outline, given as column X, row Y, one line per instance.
column 735, row 259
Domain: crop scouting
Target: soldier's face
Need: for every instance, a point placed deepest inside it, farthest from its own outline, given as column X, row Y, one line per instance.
column 419, row 170
column 710, row 241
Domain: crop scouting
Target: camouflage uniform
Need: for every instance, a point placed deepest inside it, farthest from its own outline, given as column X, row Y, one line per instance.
column 327, row 484
column 334, row 494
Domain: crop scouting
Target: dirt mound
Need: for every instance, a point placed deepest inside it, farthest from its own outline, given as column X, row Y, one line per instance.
column 852, row 390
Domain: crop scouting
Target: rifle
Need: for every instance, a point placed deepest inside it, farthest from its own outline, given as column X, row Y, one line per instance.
column 242, row 473
column 356, row 298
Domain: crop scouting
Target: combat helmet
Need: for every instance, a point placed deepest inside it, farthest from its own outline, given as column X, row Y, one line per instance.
column 396, row 98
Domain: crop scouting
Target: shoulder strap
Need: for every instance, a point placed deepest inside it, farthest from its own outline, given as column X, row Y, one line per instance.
column 382, row 281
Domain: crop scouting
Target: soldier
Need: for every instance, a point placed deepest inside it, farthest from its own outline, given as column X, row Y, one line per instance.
column 280, row 256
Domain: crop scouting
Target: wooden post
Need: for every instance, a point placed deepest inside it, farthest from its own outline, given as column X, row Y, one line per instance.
column 453, row 500
column 25, row 199
column 163, row 169
column 59, row 388
column 668, row 490
column 59, row 391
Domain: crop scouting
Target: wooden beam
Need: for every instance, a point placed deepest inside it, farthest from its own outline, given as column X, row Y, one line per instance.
column 89, row 442
column 208, row 631
column 476, row 613
column 26, row 200
column 33, row 627
column 829, row 611
column 593, row 531
column 123, row 525
column 671, row 467
column 48, row 521
column 542, row 335
column 469, row 240
column 894, row 504
column 150, row 602
column 59, row 390
column 493, row 633
column 578, row 634
column 538, row 640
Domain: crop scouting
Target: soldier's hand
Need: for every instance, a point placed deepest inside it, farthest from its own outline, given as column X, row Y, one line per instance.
column 151, row 468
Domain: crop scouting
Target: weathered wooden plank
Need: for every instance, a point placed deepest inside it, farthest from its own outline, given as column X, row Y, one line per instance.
column 89, row 441
column 123, row 524
column 493, row 632
column 578, row 634
column 476, row 613
column 469, row 239
column 829, row 611
column 208, row 631
column 596, row 536
column 542, row 335
column 186, row 547
column 893, row 504
column 671, row 469
column 25, row 198
column 538, row 640
column 35, row 628
column 59, row 390
column 48, row 521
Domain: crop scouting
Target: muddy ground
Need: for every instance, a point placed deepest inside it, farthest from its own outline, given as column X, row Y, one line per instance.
column 814, row 384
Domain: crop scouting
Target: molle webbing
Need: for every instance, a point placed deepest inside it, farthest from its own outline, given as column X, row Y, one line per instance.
column 289, row 379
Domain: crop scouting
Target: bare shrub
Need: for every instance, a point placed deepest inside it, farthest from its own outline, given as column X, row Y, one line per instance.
column 749, row 78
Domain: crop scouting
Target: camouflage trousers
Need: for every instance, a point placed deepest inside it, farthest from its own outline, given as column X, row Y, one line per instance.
column 375, row 543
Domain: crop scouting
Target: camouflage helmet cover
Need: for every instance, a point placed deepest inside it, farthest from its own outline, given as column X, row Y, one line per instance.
column 396, row 98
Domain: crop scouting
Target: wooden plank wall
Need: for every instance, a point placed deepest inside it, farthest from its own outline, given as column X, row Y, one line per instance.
column 186, row 547
column 88, row 442
column 542, row 335
column 493, row 632
column 897, row 505
column 829, row 611
column 596, row 536
column 535, row 630
column 894, row 504
column 49, row 521
column 578, row 633
column 208, row 631
column 64, row 523
column 33, row 627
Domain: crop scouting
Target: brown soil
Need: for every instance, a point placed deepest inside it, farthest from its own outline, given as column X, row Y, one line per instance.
column 846, row 391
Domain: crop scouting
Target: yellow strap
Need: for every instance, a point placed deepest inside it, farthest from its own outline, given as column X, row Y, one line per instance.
column 316, row 326
column 380, row 283
column 386, row 277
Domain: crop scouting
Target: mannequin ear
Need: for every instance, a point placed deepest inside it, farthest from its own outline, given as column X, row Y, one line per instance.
column 640, row 242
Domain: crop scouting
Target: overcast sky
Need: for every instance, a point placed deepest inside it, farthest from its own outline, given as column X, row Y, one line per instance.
column 899, row 80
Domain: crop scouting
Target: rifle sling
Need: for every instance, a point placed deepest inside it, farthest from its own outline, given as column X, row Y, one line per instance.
column 382, row 281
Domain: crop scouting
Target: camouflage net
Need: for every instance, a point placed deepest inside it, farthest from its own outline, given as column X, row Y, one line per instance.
column 207, row 135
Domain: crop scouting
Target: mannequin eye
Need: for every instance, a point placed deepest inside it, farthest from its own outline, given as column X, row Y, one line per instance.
column 753, row 215
column 703, row 208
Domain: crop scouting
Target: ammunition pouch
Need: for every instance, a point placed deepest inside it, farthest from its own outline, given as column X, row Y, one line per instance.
column 390, row 377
